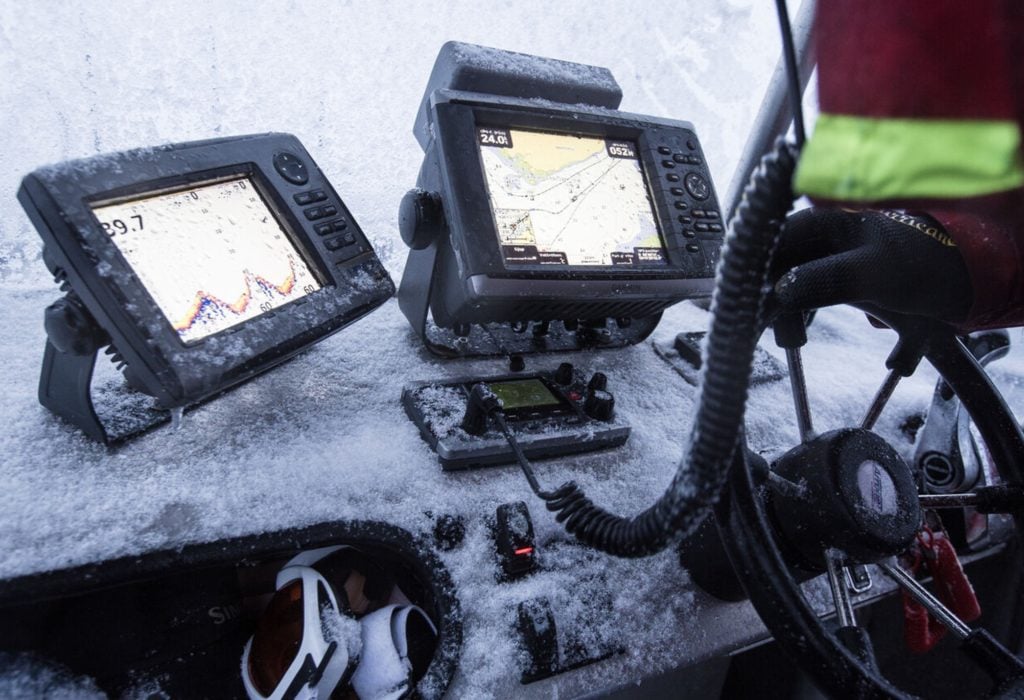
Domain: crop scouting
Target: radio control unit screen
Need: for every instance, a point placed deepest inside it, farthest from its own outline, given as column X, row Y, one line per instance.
column 523, row 393
column 211, row 256
column 562, row 199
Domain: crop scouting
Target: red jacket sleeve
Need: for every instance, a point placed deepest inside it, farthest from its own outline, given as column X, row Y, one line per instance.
column 943, row 80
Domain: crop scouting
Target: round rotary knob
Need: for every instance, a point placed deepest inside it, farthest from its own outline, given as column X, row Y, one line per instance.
column 420, row 218
column 599, row 405
column 564, row 374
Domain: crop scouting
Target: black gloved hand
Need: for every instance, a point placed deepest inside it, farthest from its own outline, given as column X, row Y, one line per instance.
column 900, row 262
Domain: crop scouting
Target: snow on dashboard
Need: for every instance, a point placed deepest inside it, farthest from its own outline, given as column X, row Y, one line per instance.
column 324, row 437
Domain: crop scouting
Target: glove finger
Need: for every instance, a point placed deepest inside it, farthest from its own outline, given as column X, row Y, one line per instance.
column 836, row 279
column 811, row 234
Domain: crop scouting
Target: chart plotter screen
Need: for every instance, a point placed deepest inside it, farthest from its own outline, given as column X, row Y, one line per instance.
column 211, row 256
column 563, row 199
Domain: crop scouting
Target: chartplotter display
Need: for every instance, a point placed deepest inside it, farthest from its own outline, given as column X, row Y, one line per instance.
column 563, row 199
column 211, row 256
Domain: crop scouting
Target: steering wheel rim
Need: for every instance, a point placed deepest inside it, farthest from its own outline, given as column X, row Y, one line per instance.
column 753, row 549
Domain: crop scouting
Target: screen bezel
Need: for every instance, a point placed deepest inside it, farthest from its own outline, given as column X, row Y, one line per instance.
column 468, row 210
column 145, row 190
column 563, row 409
column 601, row 266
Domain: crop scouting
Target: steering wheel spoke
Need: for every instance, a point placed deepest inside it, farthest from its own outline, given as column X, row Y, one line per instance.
column 840, row 594
column 923, row 596
column 798, row 384
column 881, row 399
column 1008, row 499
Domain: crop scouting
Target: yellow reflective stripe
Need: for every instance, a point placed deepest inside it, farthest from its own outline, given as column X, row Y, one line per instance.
column 863, row 159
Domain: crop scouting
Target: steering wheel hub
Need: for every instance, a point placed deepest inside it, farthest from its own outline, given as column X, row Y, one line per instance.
column 847, row 490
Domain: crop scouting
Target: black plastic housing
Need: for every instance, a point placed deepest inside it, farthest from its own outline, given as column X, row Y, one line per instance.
column 473, row 284
column 78, row 253
column 458, row 291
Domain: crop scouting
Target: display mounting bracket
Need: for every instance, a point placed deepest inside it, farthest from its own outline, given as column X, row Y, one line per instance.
column 492, row 339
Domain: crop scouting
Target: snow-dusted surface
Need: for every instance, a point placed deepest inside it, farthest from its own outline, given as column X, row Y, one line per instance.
column 324, row 437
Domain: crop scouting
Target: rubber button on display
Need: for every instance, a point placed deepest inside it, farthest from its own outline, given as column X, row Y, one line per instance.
column 697, row 186
column 323, row 229
column 291, row 168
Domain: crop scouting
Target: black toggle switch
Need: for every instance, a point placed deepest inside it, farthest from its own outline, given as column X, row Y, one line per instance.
column 513, row 535
column 539, row 638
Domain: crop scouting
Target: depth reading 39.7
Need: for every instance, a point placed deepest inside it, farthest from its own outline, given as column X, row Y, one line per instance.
column 119, row 227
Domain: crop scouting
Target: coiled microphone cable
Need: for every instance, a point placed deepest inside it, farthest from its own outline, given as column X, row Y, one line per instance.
column 737, row 312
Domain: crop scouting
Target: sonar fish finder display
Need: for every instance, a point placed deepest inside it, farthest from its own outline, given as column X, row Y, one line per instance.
column 211, row 256
column 562, row 199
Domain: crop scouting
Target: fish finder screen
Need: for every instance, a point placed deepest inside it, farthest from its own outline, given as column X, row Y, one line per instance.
column 562, row 199
column 211, row 256
column 523, row 393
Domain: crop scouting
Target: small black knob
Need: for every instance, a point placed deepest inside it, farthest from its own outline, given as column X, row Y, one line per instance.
column 564, row 374
column 599, row 405
column 419, row 218
column 599, row 382
column 449, row 531
column 516, row 363
column 71, row 328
